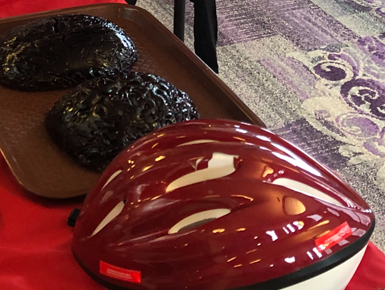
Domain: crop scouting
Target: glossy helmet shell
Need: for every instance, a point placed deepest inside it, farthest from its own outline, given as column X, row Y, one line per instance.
column 218, row 204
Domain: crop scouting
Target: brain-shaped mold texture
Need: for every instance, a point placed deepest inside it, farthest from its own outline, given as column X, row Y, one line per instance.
column 101, row 117
column 63, row 51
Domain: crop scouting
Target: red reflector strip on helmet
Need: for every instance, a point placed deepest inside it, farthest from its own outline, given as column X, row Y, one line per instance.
column 120, row 273
column 333, row 237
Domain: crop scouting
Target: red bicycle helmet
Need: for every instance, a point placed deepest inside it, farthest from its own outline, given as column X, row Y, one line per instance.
column 218, row 204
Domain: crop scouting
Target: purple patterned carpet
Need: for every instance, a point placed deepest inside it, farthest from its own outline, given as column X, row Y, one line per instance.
column 314, row 72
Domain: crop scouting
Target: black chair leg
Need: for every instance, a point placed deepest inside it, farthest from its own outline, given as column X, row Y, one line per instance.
column 179, row 18
column 206, row 32
column 205, row 28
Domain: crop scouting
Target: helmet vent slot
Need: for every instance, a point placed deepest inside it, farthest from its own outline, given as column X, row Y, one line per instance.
column 109, row 217
column 198, row 219
column 195, row 225
column 219, row 166
column 112, row 177
column 305, row 189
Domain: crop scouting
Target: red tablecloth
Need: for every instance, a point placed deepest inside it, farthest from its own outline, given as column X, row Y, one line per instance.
column 35, row 241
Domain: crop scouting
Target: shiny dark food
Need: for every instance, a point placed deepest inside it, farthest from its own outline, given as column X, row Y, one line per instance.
column 63, row 51
column 101, row 117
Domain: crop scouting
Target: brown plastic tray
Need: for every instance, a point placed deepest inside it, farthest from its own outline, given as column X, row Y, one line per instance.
column 36, row 162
